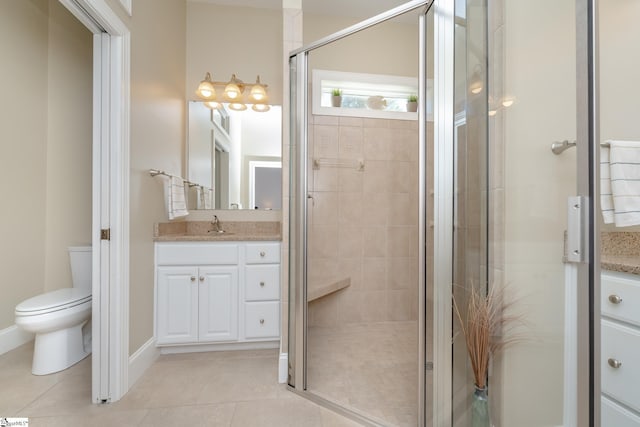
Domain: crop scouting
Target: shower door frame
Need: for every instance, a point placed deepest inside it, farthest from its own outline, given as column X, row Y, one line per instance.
column 297, row 357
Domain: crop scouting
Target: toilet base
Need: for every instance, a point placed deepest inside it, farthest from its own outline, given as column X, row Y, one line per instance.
column 57, row 350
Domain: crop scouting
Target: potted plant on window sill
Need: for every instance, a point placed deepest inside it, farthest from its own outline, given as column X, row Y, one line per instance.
column 336, row 98
column 412, row 103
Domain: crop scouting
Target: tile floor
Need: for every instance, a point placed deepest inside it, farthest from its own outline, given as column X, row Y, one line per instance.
column 198, row 389
column 371, row 368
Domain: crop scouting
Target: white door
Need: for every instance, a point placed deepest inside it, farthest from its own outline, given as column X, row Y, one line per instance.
column 218, row 304
column 177, row 305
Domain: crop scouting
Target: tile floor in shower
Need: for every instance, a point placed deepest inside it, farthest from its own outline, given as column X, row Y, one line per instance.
column 371, row 368
column 199, row 389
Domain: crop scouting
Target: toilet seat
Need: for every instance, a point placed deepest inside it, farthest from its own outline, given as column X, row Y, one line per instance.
column 60, row 299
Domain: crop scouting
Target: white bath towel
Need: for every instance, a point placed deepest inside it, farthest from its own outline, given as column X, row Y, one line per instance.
column 175, row 198
column 606, row 198
column 624, row 160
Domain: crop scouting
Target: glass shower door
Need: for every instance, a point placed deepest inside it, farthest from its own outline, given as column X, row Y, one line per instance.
column 522, row 211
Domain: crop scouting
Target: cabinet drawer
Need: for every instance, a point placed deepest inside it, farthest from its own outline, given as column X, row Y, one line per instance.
column 262, row 319
column 615, row 415
column 624, row 288
column 194, row 254
column 262, row 282
column 263, row 253
column 621, row 343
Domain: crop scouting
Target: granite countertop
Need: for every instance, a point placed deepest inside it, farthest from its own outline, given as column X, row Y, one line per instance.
column 620, row 251
column 198, row 231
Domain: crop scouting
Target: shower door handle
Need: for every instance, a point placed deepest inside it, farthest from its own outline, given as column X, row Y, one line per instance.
column 576, row 248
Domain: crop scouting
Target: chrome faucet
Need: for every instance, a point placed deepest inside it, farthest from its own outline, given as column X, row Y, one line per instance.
column 215, row 225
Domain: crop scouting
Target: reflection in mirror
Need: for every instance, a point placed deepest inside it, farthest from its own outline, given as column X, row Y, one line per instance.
column 234, row 157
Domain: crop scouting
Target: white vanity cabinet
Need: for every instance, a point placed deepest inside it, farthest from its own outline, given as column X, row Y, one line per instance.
column 217, row 293
column 620, row 349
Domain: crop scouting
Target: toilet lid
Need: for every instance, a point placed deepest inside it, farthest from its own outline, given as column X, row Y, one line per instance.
column 55, row 300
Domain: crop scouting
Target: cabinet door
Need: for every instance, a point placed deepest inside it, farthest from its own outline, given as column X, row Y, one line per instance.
column 218, row 318
column 177, row 307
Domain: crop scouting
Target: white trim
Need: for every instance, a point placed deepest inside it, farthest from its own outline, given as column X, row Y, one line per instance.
column 283, row 368
column 367, row 82
column 142, row 360
column 111, row 197
column 253, row 164
column 199, row 348
column 13, row 337
column 570, row 345
column 126, row 4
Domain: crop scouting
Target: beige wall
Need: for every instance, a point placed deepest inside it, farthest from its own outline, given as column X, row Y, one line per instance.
column 69, row 143
column 45, row 149
column 228, row 40
column 539, row 54
column 157, row 140
column 389, row 48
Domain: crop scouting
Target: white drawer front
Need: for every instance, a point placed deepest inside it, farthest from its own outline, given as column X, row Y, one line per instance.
column 263, row 253
column 621, row 343
column 262, row 282
column 197, row 254
column 262, row 320
column 621, row 296
column 614, row 415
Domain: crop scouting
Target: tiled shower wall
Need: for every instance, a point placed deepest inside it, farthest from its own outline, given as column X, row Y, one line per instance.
column 363, row 225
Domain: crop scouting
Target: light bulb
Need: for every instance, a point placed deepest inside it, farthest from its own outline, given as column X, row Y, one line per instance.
column 232, row 91
column 212, row 104
column 258, row 92
column 507, row 102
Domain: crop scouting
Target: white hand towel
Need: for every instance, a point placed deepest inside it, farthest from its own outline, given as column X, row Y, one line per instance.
column 208, row 198
column 606, row 198
column 200, row 196
column 176, row 201
column 624, row 161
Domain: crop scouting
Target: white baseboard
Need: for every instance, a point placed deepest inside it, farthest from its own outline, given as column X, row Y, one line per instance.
column 13, row 337
column 141, row 360
column 283, row 368
column 197, row 348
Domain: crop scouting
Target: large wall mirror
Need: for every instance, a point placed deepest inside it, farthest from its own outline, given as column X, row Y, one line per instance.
column 234, row 158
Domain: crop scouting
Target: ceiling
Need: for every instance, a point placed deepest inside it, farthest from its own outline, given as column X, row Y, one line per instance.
column 352, row 8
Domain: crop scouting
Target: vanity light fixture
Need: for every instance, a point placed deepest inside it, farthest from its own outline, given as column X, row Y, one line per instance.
column 233, row 93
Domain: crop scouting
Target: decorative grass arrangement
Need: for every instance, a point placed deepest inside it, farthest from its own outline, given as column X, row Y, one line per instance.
column 412, row 98
column 336, row 92
column 484, row 326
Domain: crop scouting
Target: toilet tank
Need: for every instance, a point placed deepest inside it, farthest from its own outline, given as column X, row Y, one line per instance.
column 80, row 258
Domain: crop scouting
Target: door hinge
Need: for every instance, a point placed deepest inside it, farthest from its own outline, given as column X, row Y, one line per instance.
column 577, row 229
column 105, row 234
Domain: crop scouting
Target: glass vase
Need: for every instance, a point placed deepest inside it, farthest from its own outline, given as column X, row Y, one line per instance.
column 480, row 408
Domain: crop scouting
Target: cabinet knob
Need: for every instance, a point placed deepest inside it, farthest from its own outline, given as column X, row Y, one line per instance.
column 614, row 363
column 262, row 253
column 262, row 323
column 193, row 278
column 262, row 284
column 202, row 278
column 615, row 299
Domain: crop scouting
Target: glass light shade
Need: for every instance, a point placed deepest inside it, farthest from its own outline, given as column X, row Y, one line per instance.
column 261, row 108
column 206, row 89
column 258, row 93
column 492, row 113
column 213, row 105
column 232, row 91
column 507, row 102
column 476, row 87
column 237, row 106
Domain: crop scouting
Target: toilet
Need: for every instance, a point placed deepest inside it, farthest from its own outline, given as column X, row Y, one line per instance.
column 57, row 319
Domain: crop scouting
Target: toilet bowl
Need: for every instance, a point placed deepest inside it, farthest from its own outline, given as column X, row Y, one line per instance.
column 58, row 319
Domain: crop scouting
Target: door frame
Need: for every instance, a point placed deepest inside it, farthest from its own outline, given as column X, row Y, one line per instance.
column 297, row 348
column 110, row 205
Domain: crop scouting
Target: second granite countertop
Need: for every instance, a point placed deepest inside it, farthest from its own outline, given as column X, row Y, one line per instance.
column 201, row 231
